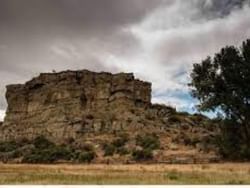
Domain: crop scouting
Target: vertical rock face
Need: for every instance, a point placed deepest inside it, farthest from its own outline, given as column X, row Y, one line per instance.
column 68, row 104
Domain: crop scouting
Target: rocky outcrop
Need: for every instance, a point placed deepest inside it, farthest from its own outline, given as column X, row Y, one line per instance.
column 87, row 107
column 65, row 104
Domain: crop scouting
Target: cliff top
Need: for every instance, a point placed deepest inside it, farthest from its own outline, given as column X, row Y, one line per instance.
column 51, row 76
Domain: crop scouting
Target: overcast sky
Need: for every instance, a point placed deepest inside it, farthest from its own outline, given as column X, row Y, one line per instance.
column 158, row 40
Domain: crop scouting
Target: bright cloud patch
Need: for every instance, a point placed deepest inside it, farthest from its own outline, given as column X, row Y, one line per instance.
column 171, row 39
column 2, row 114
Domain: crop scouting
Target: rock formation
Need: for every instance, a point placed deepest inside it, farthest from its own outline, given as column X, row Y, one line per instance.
column 85, row 106
column 60, row 105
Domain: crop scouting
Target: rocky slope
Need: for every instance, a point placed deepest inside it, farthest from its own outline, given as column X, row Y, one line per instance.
column 81, row 107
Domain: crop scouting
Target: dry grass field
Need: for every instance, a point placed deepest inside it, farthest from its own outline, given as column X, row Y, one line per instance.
column 227, row 173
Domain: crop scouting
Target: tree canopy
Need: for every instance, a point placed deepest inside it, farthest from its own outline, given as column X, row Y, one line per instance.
column 223, row 82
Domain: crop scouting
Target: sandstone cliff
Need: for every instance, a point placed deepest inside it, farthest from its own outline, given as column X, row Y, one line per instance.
column 63, row 104
column 91, row 107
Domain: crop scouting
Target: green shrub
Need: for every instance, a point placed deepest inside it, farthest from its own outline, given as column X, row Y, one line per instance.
column 86, row 156
column 47, row 152
column 49, row 155
column 41, row 142
column 44, row 151
column 13, row 145
column 116, row 146
column 149, row 141
column 61, row 153
column 42, row 156
column 244, row 152
column 8, row 146
column 15, row 154
column 142, row 155
column 109, row 149
column 120, row 142
column 87, row 147
column 122, row 151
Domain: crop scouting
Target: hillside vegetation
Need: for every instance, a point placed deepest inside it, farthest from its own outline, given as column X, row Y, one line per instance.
column 187, row 139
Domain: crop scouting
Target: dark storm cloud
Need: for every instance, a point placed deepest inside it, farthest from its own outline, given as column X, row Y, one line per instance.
column 73, row 14
column 221, row 8
column 226, row 6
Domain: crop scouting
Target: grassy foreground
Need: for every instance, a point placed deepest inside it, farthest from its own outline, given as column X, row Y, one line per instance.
column 228, row 173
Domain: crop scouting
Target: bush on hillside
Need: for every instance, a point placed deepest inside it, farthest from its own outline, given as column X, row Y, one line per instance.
column 109, row 149
column 41, row 150
column 142, row 155
column 49, row 155
column 86, row 157
column 122, row 151
column 41, row 142
column 116, row 146
column 148, row 141
column 121, row 141
column 8, row 146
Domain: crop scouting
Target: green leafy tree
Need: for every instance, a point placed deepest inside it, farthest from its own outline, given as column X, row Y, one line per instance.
column 223, row 83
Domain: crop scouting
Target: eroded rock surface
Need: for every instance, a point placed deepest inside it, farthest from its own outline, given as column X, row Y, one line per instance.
column 91, row 107
column 66, row 104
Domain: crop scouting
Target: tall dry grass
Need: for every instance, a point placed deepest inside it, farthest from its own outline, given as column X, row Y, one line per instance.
column 229, row 173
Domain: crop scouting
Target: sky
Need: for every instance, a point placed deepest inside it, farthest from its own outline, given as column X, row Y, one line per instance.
column 157, row 40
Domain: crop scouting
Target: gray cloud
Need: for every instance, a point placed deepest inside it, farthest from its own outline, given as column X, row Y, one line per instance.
column 224, row 7
column 158, row 40
column 75, row 15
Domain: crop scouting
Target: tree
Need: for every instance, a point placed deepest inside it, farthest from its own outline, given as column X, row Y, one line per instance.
column 223, row 82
